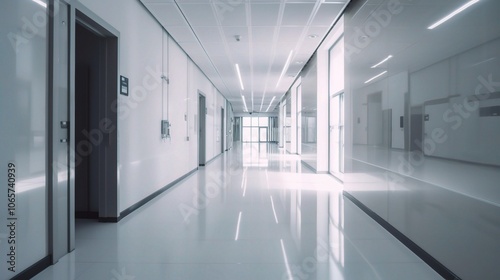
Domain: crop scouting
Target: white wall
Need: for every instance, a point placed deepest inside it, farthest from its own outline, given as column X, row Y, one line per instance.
column 430, row 83
column 393, row 90
column 465, row 135
column 146, row 162
column 322, row 116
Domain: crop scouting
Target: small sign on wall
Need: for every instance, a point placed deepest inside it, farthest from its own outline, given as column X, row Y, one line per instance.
column 124, row 85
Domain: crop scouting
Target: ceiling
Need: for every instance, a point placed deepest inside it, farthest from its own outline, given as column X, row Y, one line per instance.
column 270, row 33
column 408, row 40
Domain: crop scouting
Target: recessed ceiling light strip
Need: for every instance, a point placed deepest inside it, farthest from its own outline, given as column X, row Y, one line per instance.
column 239, row 76
column 382, row 62
column 270, row 104
column 452, row 14
column 379, row 75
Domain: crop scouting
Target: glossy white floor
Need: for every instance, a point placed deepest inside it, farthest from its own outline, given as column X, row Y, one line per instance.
column 253, row 213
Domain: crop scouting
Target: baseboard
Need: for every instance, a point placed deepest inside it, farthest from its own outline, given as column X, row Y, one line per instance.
column 86, row 215
column 150, row 197
column 33, row 270
column 214, row 158
column 417, row 250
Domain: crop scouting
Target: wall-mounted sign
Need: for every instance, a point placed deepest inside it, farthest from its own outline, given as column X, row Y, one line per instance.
column 123, row 85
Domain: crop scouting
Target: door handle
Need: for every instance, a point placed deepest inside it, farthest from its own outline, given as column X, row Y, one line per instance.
column 64, row 140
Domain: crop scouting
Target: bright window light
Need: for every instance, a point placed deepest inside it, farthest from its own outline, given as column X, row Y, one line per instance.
column 379, row 75
column 41, row 3
column 454, row 13
column 239, row 76
column 382, row 62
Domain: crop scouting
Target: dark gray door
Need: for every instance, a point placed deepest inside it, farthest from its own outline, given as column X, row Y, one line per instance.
column 202, row 112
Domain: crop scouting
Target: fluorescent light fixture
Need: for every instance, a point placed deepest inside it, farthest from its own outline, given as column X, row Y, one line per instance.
column 454, row 13
column 382, row 62
column 269, row 107
column 274, row 210
column 239, row 76
column 381, row 74
column 238, row 228
column 285, row 68
column 41, row 3
column 244, row 102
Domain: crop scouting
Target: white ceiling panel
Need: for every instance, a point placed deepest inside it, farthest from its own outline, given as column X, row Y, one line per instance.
column 223, row 65
column 231, row 15
column 199, row 14
column 167, row 14
column 268, row 30
column 297, row 14
column 324, row 15
column 216, row 50
column 208, row 34
column 231, row 31
column 290, row 34
column 265, row 14
column 182, row 34
column 239, row 51
column 263, row 34
column 262, row 51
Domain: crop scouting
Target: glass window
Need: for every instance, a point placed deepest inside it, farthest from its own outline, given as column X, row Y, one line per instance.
column 264, row 121
column 255, row 134
column 247, row 121
column 255, row 121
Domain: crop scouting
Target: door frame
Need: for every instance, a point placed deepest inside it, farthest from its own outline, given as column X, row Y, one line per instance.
column 108, row 107
column 62, row 238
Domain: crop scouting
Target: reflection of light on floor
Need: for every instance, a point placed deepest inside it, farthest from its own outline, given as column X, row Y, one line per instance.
column 288, row 271
column 303, row 181
column 267, row 179
column 274, row 210
column 245, row 187
column 243, row 177
column 238, row 227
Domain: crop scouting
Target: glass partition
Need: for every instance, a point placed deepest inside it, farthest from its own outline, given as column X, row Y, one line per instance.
column 422, row 100
column 23, row 136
